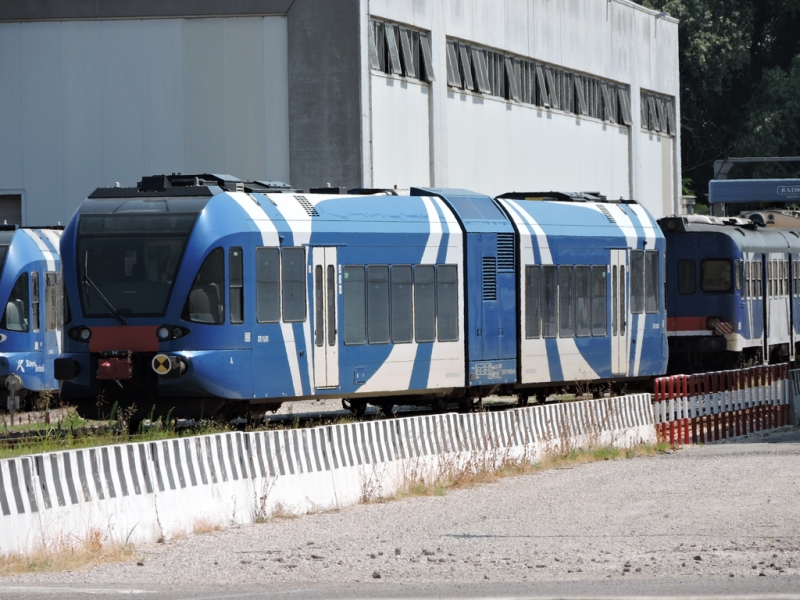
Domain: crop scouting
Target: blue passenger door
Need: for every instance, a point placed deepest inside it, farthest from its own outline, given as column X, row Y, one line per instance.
column 326, row 335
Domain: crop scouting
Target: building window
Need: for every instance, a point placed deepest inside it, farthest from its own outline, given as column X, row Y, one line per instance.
column 658, row 113
column 10, row 209
column 400, row 50
column 476, row 69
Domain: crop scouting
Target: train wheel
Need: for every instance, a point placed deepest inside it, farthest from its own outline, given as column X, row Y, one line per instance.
column 357, row 407
column 523, row 400
column 386, row 409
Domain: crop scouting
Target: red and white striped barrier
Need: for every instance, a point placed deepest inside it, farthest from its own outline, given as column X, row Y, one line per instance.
column 707, row 407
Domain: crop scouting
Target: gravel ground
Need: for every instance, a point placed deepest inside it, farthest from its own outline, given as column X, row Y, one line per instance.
column 726, row 511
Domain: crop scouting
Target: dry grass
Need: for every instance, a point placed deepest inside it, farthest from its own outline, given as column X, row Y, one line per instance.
column 64, row 556
column 202, row 525
column 457, row 476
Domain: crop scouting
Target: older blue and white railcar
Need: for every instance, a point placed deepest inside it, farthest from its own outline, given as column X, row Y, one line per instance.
column 734, row 292
column 209, row 293
column 30, row 324
column 591, row 289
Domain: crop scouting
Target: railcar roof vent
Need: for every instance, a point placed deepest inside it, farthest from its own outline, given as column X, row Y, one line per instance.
column 608, row 215
column 505, row 252
column 309, row 208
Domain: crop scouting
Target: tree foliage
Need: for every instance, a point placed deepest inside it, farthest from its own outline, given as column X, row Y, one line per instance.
column 740, row 83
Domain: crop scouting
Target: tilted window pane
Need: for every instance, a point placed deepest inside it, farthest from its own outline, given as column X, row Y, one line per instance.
column 566, row 282
column 651, row 282
column 268, row 285
column 354, row 305
column 582, row 302
column 424, row 303
column 426, row 58
column 206, row 302
column 637, row 281
column 466, row 67
column 293, row 282
column 390, row 32
column 453, row 75
column 599, row 301
column 378, row 304
column 402, row 305
column 447, row 303
column 533, row 296
column 550, row 302
column 374, row 60
column 481, row 70
column 407, row 54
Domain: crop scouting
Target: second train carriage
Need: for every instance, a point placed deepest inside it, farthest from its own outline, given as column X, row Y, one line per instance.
column 734, row 292
column 213, row 294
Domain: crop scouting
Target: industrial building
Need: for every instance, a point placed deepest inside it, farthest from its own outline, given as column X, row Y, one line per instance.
column 489, row 95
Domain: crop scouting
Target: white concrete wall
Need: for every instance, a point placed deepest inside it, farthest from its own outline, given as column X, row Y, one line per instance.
column 89, row 103
column 491, row 146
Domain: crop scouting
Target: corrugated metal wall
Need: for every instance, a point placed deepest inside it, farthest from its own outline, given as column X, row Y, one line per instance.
column 89, row 103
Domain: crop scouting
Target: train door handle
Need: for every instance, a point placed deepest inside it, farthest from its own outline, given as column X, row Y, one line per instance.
column 633, row 340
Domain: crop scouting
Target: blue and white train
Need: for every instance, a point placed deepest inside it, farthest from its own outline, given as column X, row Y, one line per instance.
column 30, row 324
column 210, row 294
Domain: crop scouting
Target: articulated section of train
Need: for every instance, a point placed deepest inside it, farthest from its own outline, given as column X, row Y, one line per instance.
column 211, row 294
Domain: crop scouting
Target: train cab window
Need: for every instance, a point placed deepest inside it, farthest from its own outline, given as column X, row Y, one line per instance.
column 235, row 285
column 687, row 277
column 651, row 282
column 599, row 301
column 268, row 285
column 293, row 284
column 716, row 275
column 447, row 303
column 533, row 296
column 354, row 305
column 550, row 302
column 402, row 305
column 35, row 300
column 52, row 300
column 15, row 316
column 566, row 309
column 424, row 303
column 637, row 281
column 206, row 302
column 583, row 302
column 378, row 304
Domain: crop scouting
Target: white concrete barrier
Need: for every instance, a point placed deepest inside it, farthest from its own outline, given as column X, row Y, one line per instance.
column 144, row 491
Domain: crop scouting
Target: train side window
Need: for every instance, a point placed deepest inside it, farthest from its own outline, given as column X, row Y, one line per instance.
column 651, row 282
column 746, row 287
column 293, row 284
column 637, row 281
column 447, row 303
column 623, row 312
column 424, row 303
column 15, row 316
column 599, row 301
column 206, row 302
column 355, row 308
column 759, row 279
column 35, row 300
column 738, row 274
column 236, row 284
column 583, row 302
column 378, row 304
column 268, row 285
column 566, row 309
column 52, row 300
column 614, row 301
column 550, row 302
column 716, row 275
column 786, row 291
column 687, row 277
column 319, row 308
column 402, row 305
column 533, row 298
column 331, row 300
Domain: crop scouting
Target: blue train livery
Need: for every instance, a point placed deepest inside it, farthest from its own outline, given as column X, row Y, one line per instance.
column 734, row 292
column 213, row 295
column 30, row 325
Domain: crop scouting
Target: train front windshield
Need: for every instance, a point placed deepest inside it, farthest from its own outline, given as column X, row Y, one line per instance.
column 127, row 263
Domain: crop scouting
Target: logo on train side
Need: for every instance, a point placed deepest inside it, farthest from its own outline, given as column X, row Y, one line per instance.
column 789, row 190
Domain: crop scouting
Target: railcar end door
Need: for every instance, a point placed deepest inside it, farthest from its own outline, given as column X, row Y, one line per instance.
column 619, row 312
column 326, row 335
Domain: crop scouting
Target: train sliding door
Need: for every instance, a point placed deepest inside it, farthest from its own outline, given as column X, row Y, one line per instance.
column 619, row 312
column 326, row 346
